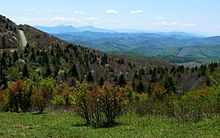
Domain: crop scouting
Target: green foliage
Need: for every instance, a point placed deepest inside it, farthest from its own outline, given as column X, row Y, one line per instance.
column 39, row 98
column 99, row 106
column 198, row 104
column 74, row 72
column 90, row 77
column 63, row 96
column 25, row 72
column 140, row 87
column 19, row 96
column 80, row 100
column 121, row 80
column 104, row 59
column 169, row 85
column 159, row 102
column 43, row 93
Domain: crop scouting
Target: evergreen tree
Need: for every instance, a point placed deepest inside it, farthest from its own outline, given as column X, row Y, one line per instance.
column 32, row 58
column 89, row 77
column 3, row 60
column 25, row 72
column 56, row 71
column 121, row 80
column 153, row 77
column 46, row 59
column 48, row 72
column 3, row 42
column 169, row 85
column 3, row 80
column 104, row 59
column 140, row 87
column 74, row 72
column 101, row 81
column 15, row 56
column 115, row 80
column 208, row 83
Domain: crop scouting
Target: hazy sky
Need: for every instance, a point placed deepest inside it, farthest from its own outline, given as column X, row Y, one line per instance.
column 201, row 16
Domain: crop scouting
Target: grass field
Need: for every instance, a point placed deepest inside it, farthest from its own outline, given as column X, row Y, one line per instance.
column 132, row 126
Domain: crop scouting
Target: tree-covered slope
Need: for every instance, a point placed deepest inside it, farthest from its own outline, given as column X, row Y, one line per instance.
column 148, row 44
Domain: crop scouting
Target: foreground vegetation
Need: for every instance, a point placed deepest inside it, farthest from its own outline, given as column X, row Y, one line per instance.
column 70, row 125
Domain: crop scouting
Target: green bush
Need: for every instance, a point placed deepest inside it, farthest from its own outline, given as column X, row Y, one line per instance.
column 159, row 102
column 197, row 104
column 63, row 96
column 99, row 106
column 19, row 96
column 43, row 92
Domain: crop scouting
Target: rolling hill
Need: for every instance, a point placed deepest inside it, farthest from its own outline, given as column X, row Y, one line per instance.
column 174, row 44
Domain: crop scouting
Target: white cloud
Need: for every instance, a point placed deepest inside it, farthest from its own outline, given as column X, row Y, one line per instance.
column 92, row 19
column 79, row 12
column 160, row 18
column 137, row 11
column 189, row 25
column 45, row 10
column 177, row 24
column 170, row 24
column 111, row 11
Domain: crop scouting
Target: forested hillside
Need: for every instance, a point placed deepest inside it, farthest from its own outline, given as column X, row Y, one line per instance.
column 186, row 46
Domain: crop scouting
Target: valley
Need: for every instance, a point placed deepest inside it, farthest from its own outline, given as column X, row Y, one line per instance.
column 170, row 46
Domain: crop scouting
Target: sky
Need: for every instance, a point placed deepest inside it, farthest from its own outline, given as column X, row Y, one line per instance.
column 195, row 16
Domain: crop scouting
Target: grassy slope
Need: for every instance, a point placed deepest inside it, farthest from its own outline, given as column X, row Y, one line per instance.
column 69, row 125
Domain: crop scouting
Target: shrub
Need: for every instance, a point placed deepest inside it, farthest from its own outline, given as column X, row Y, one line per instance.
column 43, row 94
column 99, row 106
column 3, row 98
column 142, row 104
column 195, row 105
column 159, row 102
column 112, row 101
column 25, row 102
column 39, row 99
column 63, row 96
column 14, row 95
column 19, row 96
column 81, row 105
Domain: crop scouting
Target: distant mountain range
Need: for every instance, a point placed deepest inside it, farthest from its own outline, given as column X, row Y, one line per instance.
column 70, row 29
column 173, row 46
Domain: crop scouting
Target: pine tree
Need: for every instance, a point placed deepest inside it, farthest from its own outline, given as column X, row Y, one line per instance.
column 56, row 71
column 3, row 42
column 48, row 72
column 74, row 72
column 140, row 87
column 3, row 60
column 169, row 85
column 101, row 81
column 208, row 83
column 121, row 80
column 46, row 59
column 25, row 72
column 3, row 80
column 89, row 77
column 104, row 59
column 115, row 80
column 15, row 56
